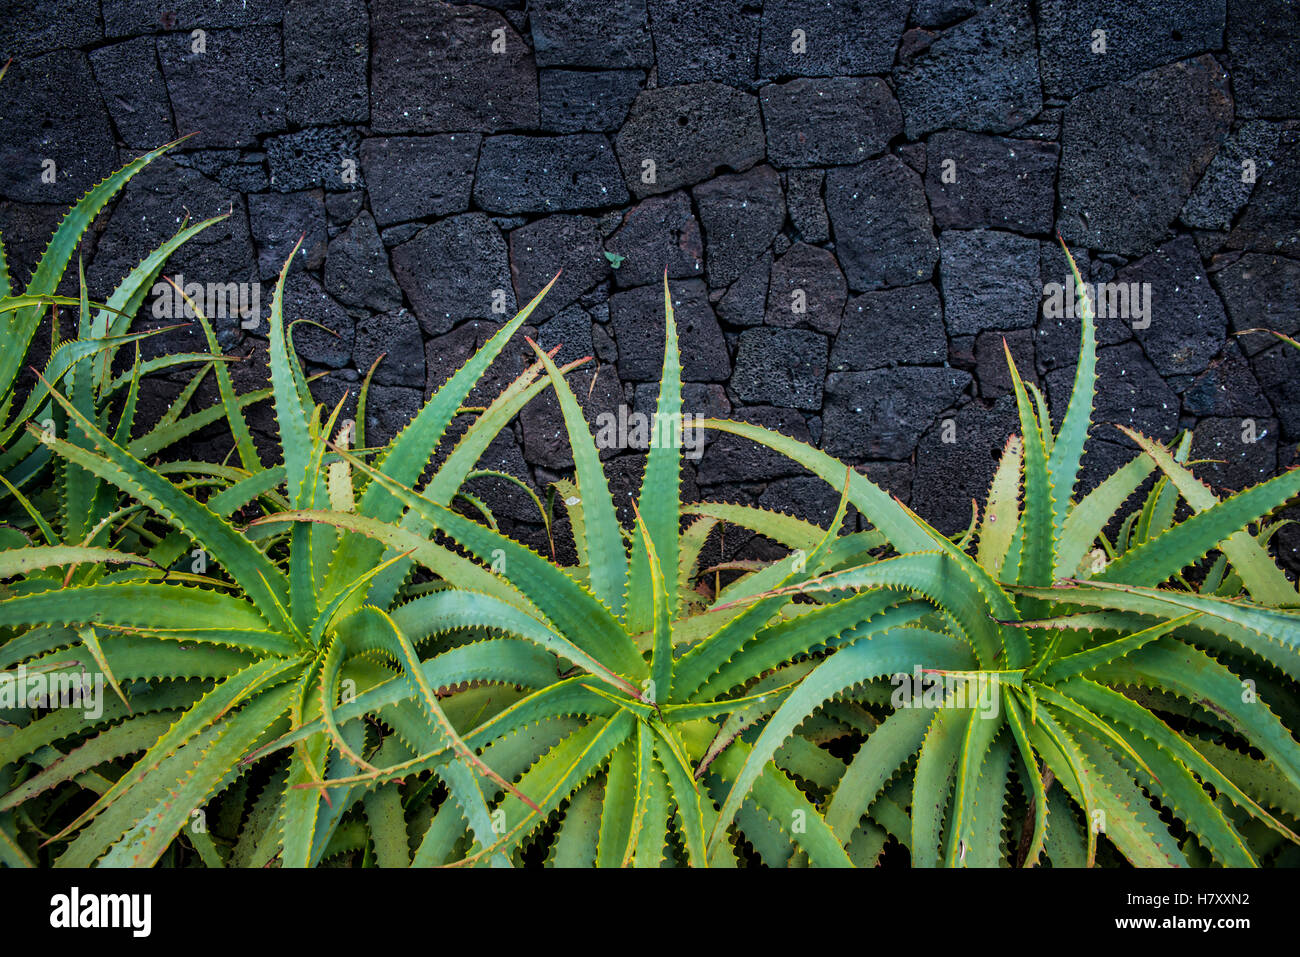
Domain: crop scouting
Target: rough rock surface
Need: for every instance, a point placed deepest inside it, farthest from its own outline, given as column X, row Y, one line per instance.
column 680, row 135
column 855, row 203
column 454, row 270
column 881, row 224
column 536, row 174
column 981, row 74
column 414, row 177
column 434, row 70
column 1167, row 125
column 833, row 121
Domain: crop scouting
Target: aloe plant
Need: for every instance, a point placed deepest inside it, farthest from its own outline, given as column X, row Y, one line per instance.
column 1134, row 671
column 369, row 673
column 623, row 757
column 101, row 333
column 213, row 663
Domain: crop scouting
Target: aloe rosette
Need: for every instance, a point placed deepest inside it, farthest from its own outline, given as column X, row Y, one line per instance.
column 1150, row 672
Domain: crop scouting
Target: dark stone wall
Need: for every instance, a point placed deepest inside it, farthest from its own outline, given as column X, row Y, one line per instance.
column 899, row 170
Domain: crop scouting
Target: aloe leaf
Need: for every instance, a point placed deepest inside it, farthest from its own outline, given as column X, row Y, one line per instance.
column 1263, row 579
column 256, row 574
column 1002, row 513
column 607, row 555
column 54, row 260
column 658, row 502
column 1066, row 457
column 1089, row 517
column 896, row 739
column 895, row 651
column 23, row 561
column 1037, row 522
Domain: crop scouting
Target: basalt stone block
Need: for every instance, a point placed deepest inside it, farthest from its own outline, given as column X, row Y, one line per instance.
column 318, row 156
column 570, row 329
column 730, row 458
column 834, row 121
column 712, row 41
column 940, row 13
column 342, row 208
column 1260, row 292
column 981, row 75
column 389, row 409
column 278, row 220
column 1227, row 184
column 396, row 235
column 575, row 101
column 53, row 113
column 505, row 499
column 232, row 89
column 446, row 353
column 1264, row 46
column 990, row 280
column 783, row 367
column 325, row 62
column 546, row 440
column 991, row 369
column 38, row 26
column 542, row 174
column 26, row 230
column 744, row 303
column 1059, row 331
column 1160, row 131
column 150, row 211
column 806, row 497
column 436, row 68
column 1271, row 221
column 134, row 92
column 241, row 170
column 883, row 232
column 956, row 459
column 415, row 177
column 305, row 299
column 127, row 17
column 976, row 181
column 803, row 196
column 1227, row 388
column 741, row 214
column 1137, row 37
column 1233, row 454
column 680, row 135
column 454, row 270
column 806, row 289
column 356, row 268
column 881, row 414
column 1278, row 374
column 569, row 245
column 1187, row 326
column 396, row 336
column 891, row 327
column 576, row 33
column 638, row 319
column 830, row 37
column 658, row 233
column 1130, row 392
